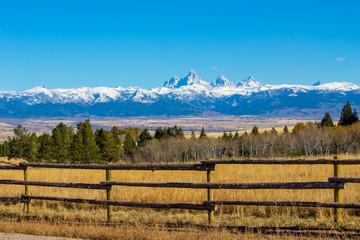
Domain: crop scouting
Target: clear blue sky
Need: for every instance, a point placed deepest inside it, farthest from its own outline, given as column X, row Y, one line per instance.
column 66, row 44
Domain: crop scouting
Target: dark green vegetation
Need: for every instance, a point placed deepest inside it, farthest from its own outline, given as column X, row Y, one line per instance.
column 67, row 145
column 348, row 117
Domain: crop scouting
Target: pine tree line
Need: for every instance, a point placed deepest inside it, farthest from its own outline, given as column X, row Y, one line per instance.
column 82, row 145
column 68, row 145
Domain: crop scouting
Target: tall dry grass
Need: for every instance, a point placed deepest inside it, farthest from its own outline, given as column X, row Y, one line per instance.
column 230, row 215
column 145, row 232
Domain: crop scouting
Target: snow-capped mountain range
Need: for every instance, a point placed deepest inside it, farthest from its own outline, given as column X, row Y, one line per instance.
column 182, row 96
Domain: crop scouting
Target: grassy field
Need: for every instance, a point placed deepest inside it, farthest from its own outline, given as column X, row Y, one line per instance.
column 144, row 232
column 230, row 215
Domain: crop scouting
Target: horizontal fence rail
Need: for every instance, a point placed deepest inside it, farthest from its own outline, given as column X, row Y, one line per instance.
column 344, row 180
column 13, row 200
column 286, row 185
column 56, row 184
column 286, row 204
column 336, row 183
column 126, row 204
column 283, row 162
column 11, row 167
column 151, row 167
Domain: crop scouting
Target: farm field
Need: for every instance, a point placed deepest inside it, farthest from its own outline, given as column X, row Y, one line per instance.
column 224, row 216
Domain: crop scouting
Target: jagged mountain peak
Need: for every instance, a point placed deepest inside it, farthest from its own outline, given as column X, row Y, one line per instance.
column 191, row 79
column 187, row 95
column 222, row 81
column 250, row 82
column 172, row 82
column 192, row 72
column 222, row 78
column 318, row 83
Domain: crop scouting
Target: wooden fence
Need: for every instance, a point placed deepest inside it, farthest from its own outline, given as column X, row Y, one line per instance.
column 337, row 183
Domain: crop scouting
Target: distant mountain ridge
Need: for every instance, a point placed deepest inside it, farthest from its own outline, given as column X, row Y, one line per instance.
column 183, row 96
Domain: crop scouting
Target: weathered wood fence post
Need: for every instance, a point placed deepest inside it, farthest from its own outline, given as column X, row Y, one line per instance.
column 337, row 195
column 210, row 175
column 27, row 190
column 109, row 196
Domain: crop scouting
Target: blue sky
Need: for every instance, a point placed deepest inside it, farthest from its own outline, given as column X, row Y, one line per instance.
column 67, row 44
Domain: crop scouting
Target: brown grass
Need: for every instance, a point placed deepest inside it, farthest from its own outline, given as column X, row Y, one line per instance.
column 144, row 232
column 230, row 215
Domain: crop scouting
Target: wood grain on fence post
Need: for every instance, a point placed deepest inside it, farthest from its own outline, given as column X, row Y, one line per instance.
column 109, row 196
column 27, row 191
column 337, row 195
column 210, row 175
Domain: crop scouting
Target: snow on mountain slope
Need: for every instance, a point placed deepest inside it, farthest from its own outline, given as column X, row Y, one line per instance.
column 189, row 94
column 250, row 82
column 191, row 79
column 187, row 88
column 172, row 82
column 222, row 81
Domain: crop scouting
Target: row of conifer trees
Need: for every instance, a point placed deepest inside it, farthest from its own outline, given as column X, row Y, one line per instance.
column 81, row 145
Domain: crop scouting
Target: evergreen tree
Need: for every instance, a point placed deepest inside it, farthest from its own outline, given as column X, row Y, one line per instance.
column 354, row 117
column 100, row 137
column 179, row 133
column 160, row 133
column 111, row 150
column 45, row 147
column 115, row 134
column 225, row 136
column 273, row 131
column 84, row 148
column 202, row 133
column 286, row 129
column 4, row 149
column 76, row 149
column 144, row 136
column 193, row 135
column 327, row 121
column 170, row 132
column 129, row 145
column 17, row 144
column 255, row 130
column 61, row 138
column 91, row 150
column 31, row 148
column 347, row 116
column 108, row 149
column 23, row 144
column 236, row 136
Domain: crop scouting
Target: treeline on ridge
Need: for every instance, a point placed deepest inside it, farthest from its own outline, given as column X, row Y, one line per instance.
column 82, row 145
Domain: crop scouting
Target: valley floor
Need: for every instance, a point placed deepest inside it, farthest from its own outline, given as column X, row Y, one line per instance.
column 214, row 125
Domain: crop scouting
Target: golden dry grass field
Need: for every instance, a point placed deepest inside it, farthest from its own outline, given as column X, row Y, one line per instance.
column 230, row 215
